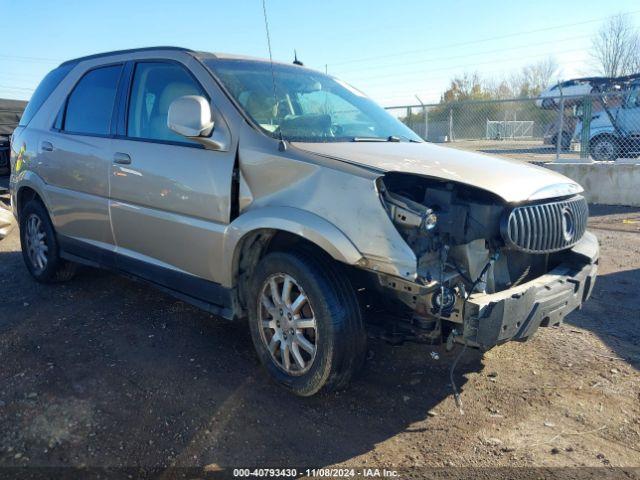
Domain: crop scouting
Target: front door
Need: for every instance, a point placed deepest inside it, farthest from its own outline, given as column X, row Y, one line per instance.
column 169, row 197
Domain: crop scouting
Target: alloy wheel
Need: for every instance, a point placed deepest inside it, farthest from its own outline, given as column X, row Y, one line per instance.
column 37, row 248
column 604, row 150
column 288, row 326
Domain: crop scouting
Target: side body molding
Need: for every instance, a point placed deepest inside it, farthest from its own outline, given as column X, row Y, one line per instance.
column 289, row 219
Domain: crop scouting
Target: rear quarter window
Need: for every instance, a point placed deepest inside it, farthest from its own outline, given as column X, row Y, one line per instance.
column 46, row 87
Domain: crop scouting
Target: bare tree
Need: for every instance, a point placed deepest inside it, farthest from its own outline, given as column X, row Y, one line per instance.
column 528, row 82
column 499, row 89
column 533, row 78
column 469, row 86
column 634, row 64
column 538, row 76
column 614, row 48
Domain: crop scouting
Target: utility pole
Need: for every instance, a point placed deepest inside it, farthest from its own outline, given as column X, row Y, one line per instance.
column 559, row 134
column 425, row 112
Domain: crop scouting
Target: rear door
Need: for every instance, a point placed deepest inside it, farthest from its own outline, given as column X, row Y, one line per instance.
column 76, row 157
column 169, row 197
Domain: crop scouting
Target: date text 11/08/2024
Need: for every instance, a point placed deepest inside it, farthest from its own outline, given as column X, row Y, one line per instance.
column 316, row 472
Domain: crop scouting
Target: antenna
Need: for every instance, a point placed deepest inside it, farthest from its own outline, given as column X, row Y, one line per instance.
column 295, row 59
column 283, row 146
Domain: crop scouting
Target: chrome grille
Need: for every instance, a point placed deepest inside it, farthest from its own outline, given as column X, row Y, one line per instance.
column 546, row 227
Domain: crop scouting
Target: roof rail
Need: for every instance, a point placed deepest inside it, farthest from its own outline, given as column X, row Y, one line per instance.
column 119, row 52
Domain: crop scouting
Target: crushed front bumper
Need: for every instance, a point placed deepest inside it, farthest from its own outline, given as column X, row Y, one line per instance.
column 516, row 313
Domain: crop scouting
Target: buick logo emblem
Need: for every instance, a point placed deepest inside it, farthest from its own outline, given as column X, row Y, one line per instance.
column 568, row 224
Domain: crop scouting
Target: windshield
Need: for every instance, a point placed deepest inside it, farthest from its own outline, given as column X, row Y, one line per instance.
column 308, row 106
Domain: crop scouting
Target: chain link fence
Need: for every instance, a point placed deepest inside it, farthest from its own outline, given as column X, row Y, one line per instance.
column 599, row 126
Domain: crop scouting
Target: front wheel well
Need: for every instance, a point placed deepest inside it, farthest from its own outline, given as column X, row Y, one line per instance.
column 253, row 247
column 600, row 136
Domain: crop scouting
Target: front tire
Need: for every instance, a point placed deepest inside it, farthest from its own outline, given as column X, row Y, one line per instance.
column 305, row 322
column 40, row 250
column 604, row 148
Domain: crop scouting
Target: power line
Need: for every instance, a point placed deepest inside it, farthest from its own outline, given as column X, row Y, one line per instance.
column 448, row 57
column 11, row 87
column 22, row 76
column 474, row 42
column 393, row 95
column 466, row 65
column 30, row 59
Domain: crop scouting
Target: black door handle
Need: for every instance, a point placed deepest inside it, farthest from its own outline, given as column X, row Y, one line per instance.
column 46, row 146
column 121, row 159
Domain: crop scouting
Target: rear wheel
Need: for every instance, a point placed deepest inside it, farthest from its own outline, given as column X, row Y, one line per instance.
column 305, row 322
column 40, row 249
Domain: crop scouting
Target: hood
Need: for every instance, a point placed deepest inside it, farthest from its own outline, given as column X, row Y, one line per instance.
column 512, row 180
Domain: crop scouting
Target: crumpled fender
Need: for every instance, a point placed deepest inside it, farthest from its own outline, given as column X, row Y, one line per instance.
column 293, row 220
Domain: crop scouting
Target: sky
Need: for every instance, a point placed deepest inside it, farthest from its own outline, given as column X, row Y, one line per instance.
column 391, row 50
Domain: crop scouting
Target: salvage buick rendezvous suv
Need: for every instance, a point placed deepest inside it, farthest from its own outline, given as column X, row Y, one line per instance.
column 289, row 198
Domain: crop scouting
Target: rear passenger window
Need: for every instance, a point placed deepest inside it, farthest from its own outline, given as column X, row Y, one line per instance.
column 90, row 105
column 155, row 86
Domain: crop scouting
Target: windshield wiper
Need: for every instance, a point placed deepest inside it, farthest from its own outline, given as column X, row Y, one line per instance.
column 410, row 140
column 391, row 138
column 368, row 139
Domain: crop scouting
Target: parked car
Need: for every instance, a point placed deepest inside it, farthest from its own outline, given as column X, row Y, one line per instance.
column 572, row 91
column 10, row 111
column 614, row 129
column 4, row 156
column 283, row 195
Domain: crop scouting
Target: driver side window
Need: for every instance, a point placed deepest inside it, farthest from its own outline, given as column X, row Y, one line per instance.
column 155, row 86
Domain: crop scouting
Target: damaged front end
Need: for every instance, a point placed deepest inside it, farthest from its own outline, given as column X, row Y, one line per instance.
column 487, row 271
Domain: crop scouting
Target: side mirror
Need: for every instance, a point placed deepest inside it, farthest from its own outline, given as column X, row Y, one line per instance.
column 190, row 116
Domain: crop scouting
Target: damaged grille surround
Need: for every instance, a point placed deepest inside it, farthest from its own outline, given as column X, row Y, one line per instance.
column 545, row 227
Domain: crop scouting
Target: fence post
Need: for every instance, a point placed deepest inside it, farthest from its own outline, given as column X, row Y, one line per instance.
column 450, row 124
column 560, row 133
column 585, row 135
column 426, row 123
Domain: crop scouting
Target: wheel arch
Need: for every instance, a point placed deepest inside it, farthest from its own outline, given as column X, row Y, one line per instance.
column 28, row 188
column 256, row 233
column 606, row 134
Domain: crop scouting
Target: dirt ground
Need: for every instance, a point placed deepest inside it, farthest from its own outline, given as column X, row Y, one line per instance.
column 103, row 371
